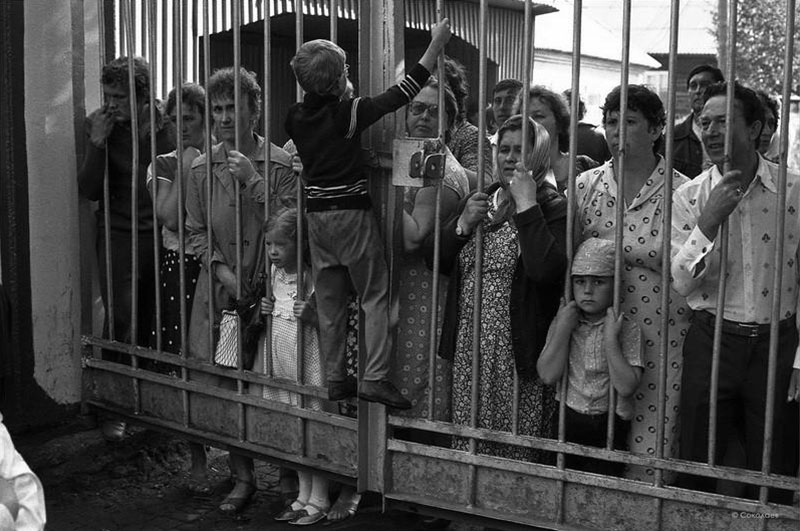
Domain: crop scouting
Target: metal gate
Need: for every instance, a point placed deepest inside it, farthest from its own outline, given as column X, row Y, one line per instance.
column 375, row 449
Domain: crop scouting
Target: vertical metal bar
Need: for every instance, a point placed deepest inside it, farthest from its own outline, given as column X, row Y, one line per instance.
column 300, row 287
column 620, row 205
column 723, row 238
column 476, row 319
column 298, row 37
column 134, row 110
column 780, row 232
column 178, row 76
column 437, row 224
column 154, row 182
column 267, row 43
column 577, row 12
column 110, row 314
column 209, row 181
column 334, row 14
column 237, row 99
column 164, row 33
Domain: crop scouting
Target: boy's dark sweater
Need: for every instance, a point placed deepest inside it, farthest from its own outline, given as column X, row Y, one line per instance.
column 327, row 133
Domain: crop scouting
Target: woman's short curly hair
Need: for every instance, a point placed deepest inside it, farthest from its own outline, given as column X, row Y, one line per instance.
column 557, row 105
column 221, row 86
column 192, row 95
column 642, row 99
column 456, row 76
column 115, row 74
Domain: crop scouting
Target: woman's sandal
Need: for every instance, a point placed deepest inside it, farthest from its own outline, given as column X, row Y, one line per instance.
column 288, row 514
column 234, row 505
column 304, row 518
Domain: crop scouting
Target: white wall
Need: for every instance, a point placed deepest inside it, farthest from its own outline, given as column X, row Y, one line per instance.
column 598, row 77
column 53, row 196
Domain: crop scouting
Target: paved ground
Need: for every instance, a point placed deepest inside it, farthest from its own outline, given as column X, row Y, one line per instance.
column 139, row 485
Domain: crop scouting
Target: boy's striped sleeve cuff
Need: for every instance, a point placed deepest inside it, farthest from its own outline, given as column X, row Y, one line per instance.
column 414, row 81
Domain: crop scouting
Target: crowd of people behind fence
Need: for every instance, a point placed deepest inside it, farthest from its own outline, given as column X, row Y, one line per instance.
column 529, row 332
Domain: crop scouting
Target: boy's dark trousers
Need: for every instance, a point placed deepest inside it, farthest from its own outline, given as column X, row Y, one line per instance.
column 346, row 245
column 590, row 430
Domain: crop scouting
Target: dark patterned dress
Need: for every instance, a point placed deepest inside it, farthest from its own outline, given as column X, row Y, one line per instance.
column 641, row 295
column 497, row 367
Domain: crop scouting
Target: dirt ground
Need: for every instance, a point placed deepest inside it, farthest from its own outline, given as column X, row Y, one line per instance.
column 139, row 484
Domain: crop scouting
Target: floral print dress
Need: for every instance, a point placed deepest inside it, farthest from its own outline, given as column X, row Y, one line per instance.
column 416, row 302
column 641, row 295
column 497, row 365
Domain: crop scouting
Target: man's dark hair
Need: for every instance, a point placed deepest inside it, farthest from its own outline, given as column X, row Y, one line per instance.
column 715, row 72
column 752, row 109
column 642, row 99
column 115, row 74
column 506, row 84
column 770, row 104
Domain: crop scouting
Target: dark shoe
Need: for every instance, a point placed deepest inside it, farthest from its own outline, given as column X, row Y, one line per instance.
column 289, row 514
column 384, row 392
column 342, row 390
column 234, row 505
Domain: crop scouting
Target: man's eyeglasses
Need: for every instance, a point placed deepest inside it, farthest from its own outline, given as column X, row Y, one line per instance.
column 699, row 85
column 416, row 108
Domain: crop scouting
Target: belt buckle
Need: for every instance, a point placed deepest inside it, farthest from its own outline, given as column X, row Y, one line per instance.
column 751, row 330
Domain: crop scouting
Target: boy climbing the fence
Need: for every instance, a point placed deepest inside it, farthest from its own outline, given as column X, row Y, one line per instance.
column 343, row 232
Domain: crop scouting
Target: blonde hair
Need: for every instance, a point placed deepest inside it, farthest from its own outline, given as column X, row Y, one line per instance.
column 318, row 65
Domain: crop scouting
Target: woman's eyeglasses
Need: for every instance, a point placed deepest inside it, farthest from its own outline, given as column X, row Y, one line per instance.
column 416, row 108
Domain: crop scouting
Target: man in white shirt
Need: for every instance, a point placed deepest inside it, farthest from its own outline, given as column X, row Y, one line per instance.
column 21, row 494
column 745, row 197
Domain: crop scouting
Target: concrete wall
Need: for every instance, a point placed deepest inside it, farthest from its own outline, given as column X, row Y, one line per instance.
column 51, row 63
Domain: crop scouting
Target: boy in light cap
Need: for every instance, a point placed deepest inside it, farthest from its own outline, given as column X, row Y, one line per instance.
column 602, row 349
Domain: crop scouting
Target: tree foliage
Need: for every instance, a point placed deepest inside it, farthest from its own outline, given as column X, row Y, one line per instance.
column 761, row 44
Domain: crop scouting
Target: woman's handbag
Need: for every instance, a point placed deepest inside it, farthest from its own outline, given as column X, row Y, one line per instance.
column 247, row 315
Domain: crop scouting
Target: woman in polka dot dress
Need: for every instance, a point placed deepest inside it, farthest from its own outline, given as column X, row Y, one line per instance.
column 643, row 199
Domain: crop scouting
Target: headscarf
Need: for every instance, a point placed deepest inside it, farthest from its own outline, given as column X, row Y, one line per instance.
column 538, row 164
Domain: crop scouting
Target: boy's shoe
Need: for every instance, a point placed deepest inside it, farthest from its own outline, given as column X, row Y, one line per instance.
column 342, row 390
column 384, row 392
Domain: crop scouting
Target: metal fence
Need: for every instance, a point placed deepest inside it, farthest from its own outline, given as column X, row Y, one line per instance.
column 413, row 460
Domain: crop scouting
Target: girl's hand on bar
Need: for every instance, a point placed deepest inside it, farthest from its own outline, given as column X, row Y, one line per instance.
column 303, row 310
column 474, row 211
column 267, row 305
column 240, row 166
column 297, row 164
column 523, row 189
column 794, row 386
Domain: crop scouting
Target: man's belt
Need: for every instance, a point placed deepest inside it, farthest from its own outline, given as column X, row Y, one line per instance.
column 743, row 329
